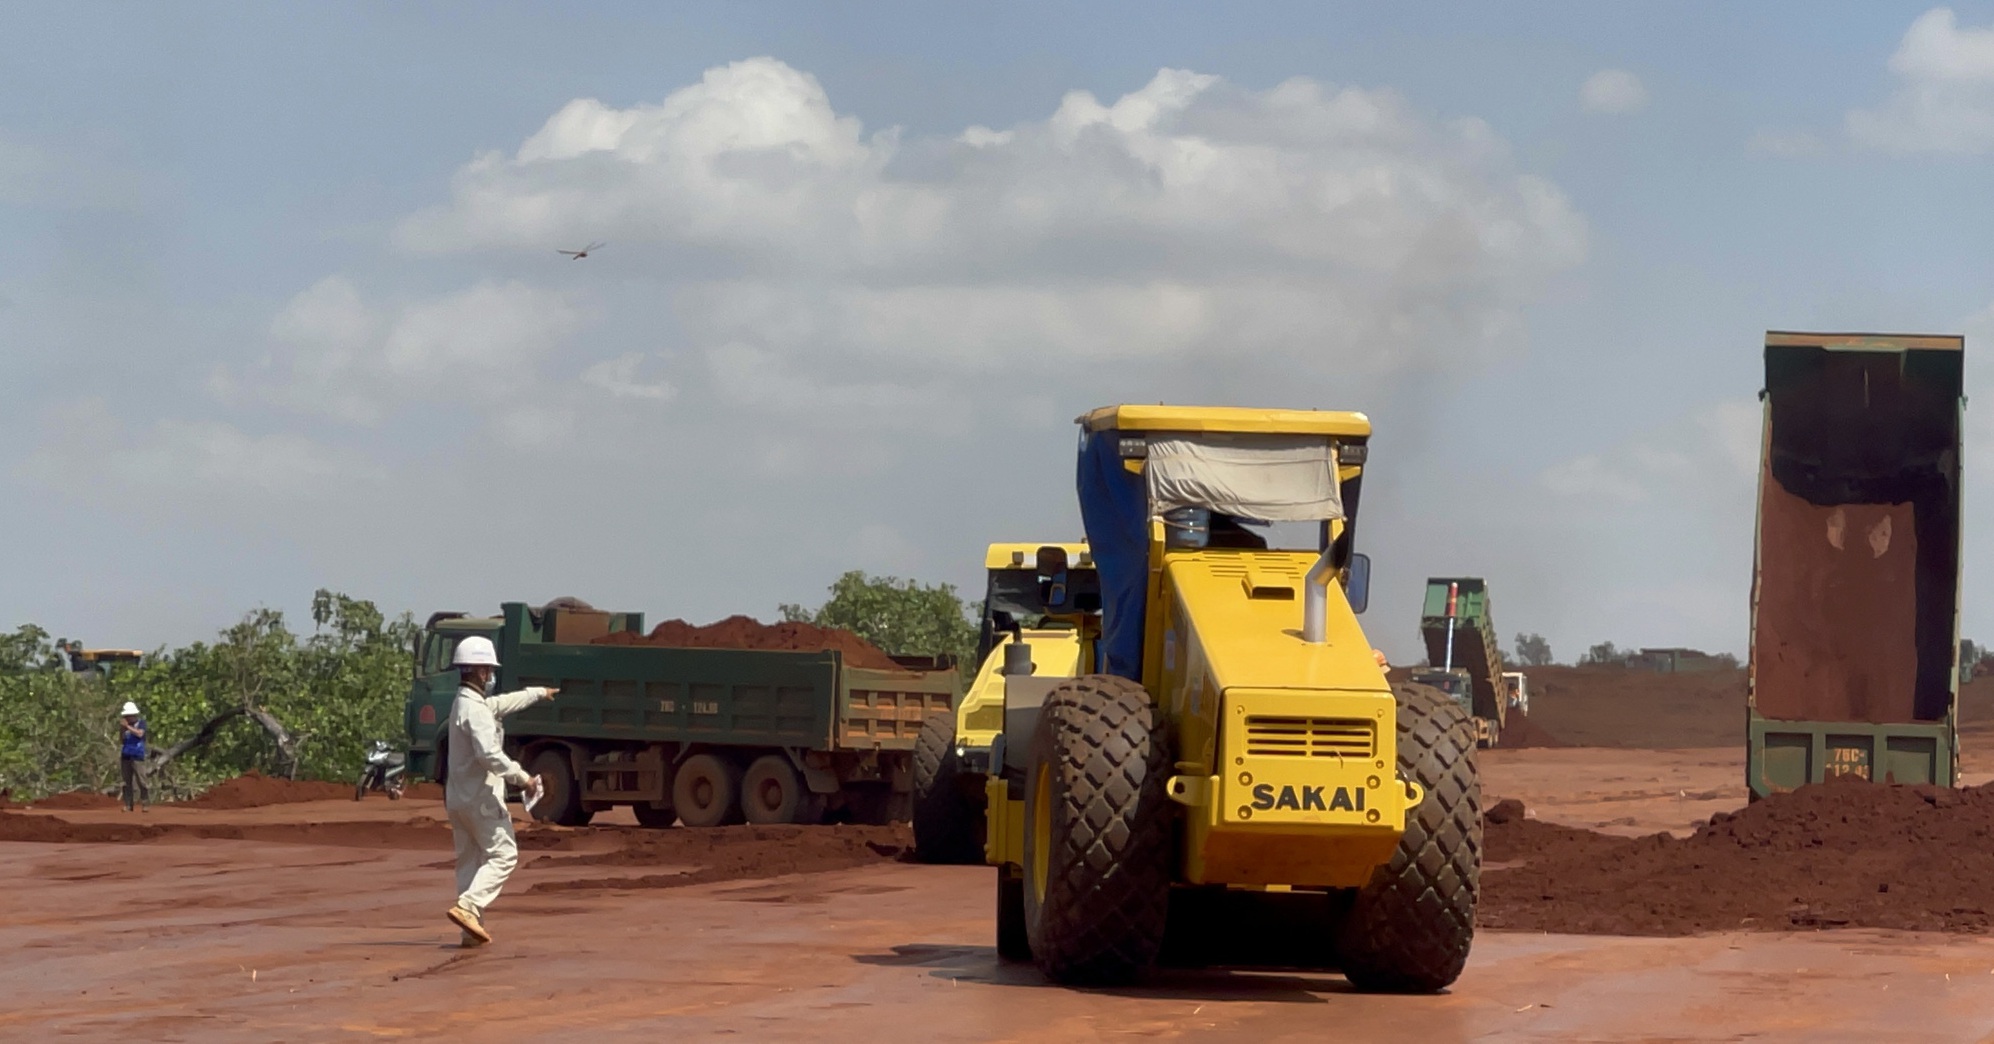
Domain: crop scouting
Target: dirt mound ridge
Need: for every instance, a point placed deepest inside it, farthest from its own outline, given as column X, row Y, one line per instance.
column 1840, row 854
column 22, row 826
column 254, row 790
column 76, row 799
column 744, row 632
column 733, row 853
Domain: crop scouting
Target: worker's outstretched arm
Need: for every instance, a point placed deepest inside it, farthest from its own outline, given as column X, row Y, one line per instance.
column 514, row 702
column 482, row 727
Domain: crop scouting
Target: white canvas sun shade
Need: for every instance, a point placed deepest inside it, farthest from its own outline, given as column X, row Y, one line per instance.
column 1267, row 478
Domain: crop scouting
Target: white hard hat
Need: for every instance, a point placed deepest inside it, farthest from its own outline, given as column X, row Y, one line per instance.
column 130, row 708
column 475, row 651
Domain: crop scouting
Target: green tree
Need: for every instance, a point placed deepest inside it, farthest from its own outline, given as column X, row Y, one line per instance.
column 259, row 697
column 1533, row 651
column 903, row 617
column 1605, row 654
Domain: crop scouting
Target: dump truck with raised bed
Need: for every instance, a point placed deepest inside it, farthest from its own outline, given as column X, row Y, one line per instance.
column 1460, row 636
column 1855, row 586
column 1232, row 780
column 1020, row 632
column 702, row 736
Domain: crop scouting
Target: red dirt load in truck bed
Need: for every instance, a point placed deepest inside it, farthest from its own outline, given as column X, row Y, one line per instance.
column 1839, row 854
column 743, row 632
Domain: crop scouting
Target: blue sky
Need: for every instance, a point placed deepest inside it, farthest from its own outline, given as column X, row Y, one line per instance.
column 271, row 326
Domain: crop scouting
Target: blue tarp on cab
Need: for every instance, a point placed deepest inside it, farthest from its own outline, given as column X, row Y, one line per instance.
column 1114, row 507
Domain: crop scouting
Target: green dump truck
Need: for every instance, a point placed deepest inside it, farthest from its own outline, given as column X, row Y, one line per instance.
column 703, row 737
column 1464, row 655
column 1855, row 588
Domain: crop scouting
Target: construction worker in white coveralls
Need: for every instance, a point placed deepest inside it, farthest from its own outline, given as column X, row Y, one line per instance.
column 474, row 792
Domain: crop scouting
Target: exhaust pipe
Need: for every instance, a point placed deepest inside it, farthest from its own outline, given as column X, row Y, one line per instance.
column 1315, row 601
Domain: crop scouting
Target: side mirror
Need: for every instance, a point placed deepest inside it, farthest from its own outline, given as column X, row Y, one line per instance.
column 1357, row 582
column 1052, row 577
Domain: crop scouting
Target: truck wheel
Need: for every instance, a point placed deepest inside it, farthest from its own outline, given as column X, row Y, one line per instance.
column 1012, row 942
column 948, row 827
column 772, row 792
column 707, row 791
column 562, row 803
column 1098, row 832
column 1409, row 928
column 654, row 818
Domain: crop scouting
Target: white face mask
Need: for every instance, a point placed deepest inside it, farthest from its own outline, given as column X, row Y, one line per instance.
column 491, row 683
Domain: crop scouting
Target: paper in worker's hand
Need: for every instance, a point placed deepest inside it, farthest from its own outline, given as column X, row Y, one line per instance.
column 533, row 794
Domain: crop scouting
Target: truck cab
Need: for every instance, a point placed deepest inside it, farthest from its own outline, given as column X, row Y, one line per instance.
column 434, row 685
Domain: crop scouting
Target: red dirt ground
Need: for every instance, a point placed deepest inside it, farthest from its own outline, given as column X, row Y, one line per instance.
column 742, row 632
column 1837, row 854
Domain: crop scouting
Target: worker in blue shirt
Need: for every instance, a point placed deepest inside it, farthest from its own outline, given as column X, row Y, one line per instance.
column 131, row 756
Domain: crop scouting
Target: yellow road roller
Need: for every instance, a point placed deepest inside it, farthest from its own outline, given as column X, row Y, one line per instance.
column 1231, row 780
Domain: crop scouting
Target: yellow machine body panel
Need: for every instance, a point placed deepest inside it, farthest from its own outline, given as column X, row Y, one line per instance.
column 1287, row 750
column 1025, row 556
column 1333, row 423
column 980, row 716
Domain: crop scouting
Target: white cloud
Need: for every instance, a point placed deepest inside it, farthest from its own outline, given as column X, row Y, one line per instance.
column 892, row 330
column 1588, row 476
column 1944, row 101
column 1305, row 231
column 336, row 354
column 1790, row 144
column 35, row 174
column 1714, row 451
column 86, row 448
column 618, row 377
column 1612, row 92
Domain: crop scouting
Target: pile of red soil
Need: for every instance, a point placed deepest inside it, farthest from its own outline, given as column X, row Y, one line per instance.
column 1627, row 707
column 1840, row 854
column 254, row 790
column 1520, row 731
column 76, row 799
column 742, row 632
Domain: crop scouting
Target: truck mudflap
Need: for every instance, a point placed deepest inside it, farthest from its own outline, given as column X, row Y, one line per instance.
column 1306, row 792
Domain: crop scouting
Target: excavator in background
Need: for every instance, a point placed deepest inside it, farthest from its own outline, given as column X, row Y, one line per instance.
column 1465, row 656
column 84, row 661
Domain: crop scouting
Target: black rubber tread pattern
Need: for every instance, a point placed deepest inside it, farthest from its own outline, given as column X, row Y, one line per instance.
column 764, row 769
column 948, row 827
column 1410, row 927
column 1013, row 944
column 726, row 777
column 1108, row 875
column 654, row 818
column 562, row 803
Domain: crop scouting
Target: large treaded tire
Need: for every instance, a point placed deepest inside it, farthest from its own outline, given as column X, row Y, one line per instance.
column 562, row 804
column 1098, row 896
column 948, row 827
column 1013, row 943
column 706, row 791
column 1410, row 927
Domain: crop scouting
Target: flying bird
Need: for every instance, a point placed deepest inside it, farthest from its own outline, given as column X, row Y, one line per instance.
column 577, row 255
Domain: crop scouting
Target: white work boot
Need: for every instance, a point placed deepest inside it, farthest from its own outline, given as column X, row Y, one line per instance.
column 472, row 924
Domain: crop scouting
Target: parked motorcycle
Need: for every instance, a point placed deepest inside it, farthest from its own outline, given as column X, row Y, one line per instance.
column 384, row 771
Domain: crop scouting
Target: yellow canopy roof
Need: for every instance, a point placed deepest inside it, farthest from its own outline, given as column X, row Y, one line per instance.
column 1333, row 423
